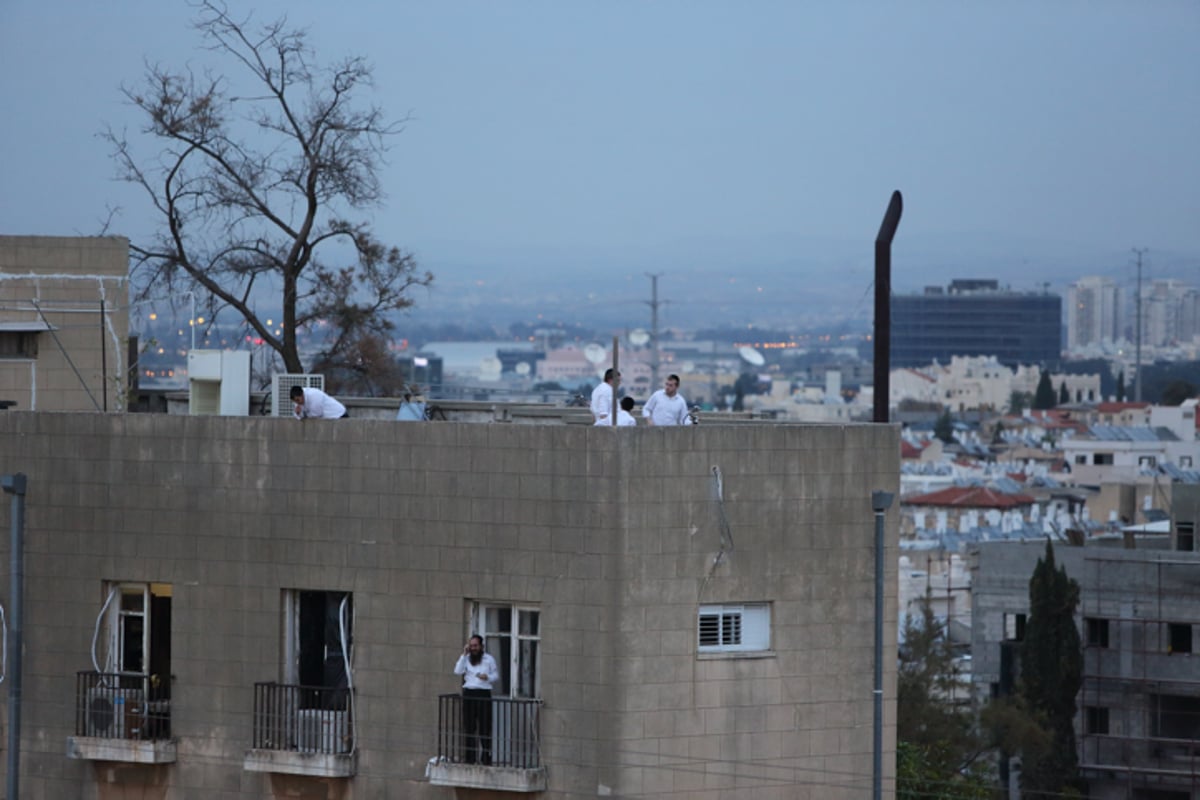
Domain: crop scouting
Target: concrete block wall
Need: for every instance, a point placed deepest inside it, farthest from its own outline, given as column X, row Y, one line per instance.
column 612, row 534
column 81, row 365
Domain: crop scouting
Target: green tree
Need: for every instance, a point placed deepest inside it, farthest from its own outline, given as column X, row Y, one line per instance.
column 263, row 182
column 1019, row 401
column 1121, row 387
column 1043, row 397
column 938, row 743
column 1051, row 676
column 944, row 427
column 1064, row 395
column 1177, row 392
column 998, row 433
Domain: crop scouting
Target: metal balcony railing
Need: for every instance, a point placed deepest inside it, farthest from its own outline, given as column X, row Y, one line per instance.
column 496, row 732
column 304, row 719
column 122, row 706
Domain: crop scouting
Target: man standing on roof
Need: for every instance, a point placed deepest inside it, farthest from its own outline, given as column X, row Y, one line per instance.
column 310, row 403
column 602, row 397
column 667, row 406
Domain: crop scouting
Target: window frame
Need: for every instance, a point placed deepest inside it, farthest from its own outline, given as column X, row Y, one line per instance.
column 519, row 643
column 753, row 623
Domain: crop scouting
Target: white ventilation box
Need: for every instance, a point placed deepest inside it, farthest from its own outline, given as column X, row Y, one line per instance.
column 281, row 387
column 321, row 731
column 219, row 382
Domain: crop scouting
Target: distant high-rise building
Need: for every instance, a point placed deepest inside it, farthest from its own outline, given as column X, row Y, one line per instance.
column 1168, row 312
column 1093, row 312
column 976, row 318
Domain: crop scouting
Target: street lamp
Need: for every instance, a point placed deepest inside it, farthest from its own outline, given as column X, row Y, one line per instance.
column 15, row 485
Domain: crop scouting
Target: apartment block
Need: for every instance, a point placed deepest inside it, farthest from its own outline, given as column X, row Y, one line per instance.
column 64, row 320
column 230, row 607
column 1138, row 717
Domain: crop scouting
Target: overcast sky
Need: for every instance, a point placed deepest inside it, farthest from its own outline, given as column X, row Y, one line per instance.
column 661, row 126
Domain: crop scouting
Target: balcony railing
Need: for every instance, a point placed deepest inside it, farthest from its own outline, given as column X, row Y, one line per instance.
column 304, row 719
column 494, row 732
column 122, row 706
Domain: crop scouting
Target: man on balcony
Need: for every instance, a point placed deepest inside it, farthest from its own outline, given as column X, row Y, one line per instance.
column 479, row 672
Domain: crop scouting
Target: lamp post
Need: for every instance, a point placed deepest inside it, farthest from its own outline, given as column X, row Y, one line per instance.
column 880, row 502
column 15, row 485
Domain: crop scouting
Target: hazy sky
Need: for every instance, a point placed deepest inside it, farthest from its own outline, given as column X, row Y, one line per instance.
column 668, row 128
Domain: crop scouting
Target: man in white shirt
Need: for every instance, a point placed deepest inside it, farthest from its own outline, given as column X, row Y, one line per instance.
column 602, row 397
column 479, row 672
column 310, row 403
column 667, row 406
column 624, row 418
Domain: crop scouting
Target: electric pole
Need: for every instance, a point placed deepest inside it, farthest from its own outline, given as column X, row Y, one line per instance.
column 1137, row 306
column 654, row 303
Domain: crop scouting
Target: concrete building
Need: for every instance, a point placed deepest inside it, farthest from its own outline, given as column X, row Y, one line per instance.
column 64, row 321
column 1094, row 306
column 1138, row 719
column 276, row 606
column 976, row 318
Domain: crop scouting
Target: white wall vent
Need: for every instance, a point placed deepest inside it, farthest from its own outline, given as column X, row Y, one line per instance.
column 219, row 382
column 281, row 386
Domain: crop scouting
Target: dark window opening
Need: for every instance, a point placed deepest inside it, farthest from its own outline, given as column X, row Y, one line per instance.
column 1179, row 636
column 1097, row 632
column 18, row 344
column 319, row 658
column 1175, row 717
column 1014, row 627
column 1095, row 720
column 1185, row 536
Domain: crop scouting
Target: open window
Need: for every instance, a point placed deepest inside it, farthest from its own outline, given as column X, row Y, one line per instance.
column 124, row 702
column 318, row 639
column 140, row 635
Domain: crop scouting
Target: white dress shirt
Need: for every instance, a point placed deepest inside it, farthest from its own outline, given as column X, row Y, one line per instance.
column 486, row 667
column 663, row 410
column 318, row 405
column 624, row 419
column 602, row 401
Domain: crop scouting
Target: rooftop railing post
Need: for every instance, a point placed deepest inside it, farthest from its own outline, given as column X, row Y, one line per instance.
column 15, row 485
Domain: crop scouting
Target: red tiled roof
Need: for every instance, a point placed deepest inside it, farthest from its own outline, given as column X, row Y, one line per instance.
column 970, row 497
column 1113, row 407
column 1019, row 477
column 910, row 450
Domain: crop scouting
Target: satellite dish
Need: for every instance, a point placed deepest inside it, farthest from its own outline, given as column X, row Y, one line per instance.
column 522, row 368
column 489, row 368
column 751, row 356
column 638, row 337
column 594, row 353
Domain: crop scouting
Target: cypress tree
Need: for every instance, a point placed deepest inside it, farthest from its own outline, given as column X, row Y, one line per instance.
column 1051, row 676
column 1043, row 398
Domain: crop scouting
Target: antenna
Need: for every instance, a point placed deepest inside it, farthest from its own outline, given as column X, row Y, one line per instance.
column 654, row 303
column 1137, row 304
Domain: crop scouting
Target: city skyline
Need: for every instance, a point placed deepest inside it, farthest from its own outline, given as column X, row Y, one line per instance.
column 553, row 154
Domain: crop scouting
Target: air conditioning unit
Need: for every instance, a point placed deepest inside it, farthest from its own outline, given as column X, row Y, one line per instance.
column 107, row 710
column 322, row 731
column 281, row 387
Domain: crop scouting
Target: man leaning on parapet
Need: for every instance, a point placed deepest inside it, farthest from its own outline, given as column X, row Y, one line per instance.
column 308, row 403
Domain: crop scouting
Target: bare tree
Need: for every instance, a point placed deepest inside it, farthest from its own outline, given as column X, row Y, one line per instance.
column 255, row 191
